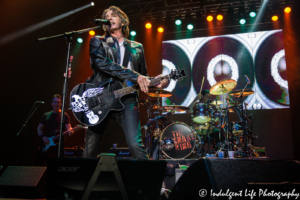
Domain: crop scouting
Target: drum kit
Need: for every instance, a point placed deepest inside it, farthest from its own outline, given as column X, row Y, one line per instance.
column 210, row 130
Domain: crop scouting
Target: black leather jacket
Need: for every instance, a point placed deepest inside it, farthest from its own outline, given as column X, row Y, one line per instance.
column 104, row 58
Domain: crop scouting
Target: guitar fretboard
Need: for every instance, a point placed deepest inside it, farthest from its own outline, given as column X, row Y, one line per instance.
column 128, row 90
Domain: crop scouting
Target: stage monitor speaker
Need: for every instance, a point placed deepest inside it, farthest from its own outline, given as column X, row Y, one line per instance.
column 213, row 175
column 68, row 177
column 23, row 182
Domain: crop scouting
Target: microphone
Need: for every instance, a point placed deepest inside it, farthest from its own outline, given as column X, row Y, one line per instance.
column 248, row 80
column 40, row 102
column 102, row 21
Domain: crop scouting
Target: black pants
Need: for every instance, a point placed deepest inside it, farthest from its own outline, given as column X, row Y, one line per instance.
column 130, row 122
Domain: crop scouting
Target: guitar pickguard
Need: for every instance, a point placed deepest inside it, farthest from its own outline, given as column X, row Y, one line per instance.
column 80, row 105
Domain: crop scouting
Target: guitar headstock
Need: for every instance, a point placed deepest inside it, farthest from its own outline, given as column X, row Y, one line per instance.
column 177, row 74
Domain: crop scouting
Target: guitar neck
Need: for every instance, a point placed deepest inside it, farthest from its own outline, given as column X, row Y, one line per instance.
column 131, row 89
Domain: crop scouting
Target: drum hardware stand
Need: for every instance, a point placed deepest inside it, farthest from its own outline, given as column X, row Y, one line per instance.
column 245, row 149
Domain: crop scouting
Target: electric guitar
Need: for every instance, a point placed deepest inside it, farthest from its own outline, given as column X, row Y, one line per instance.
column 91, row 103
column 55, row 137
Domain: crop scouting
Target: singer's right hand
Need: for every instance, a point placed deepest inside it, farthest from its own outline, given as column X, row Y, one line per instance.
column 143, row 82
column 45, row 139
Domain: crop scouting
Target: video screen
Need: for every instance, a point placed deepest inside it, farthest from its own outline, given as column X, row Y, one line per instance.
column 258, row 55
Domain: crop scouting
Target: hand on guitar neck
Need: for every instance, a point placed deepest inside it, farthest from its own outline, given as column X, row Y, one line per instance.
column 144, row 82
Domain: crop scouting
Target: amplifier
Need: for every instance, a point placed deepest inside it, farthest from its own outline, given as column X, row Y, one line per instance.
column 121, row 152
column 73, row 152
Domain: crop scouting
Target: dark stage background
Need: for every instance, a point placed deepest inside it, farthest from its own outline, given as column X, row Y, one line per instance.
column 33, row 71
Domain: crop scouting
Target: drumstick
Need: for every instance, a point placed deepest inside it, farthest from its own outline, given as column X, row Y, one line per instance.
column 197, row 97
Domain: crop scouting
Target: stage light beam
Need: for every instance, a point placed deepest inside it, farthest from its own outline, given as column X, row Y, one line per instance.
column 209, row 18
column 242, row 21
column 133, row 33
column 252, row 14
column 287, row 10
column 148, row 25
column 91, row 32
column 220, row 17
column 37, row 26
column 190, row 27
column 178, row 22
column 274, row 18
column 160, row 29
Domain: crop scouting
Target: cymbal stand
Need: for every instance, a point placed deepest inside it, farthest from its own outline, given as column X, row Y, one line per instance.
column 245, row 149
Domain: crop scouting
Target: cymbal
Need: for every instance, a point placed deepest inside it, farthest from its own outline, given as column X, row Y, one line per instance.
column 216, row 103
column 246, row 93
column 202, row 119
column 174, row 107
column 223, row 86
column 159, row 93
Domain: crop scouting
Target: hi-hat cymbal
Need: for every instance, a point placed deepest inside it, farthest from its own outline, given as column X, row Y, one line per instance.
column 177, row 108
column 216, row 103
column 223, row 86
column 159, row 93
column 246, row 93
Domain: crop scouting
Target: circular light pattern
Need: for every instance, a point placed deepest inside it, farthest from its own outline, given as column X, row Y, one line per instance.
column 190, row 26
column 242, row 21
column 178, row 22
column 148, row 25
column 287, row 10
column 274, row 18
column 160, row 29
column 92, row 4
column 252, row 14
column 92, row 32
column 274, row 69
column 79, row 40
column 211, row 67
column 209, row 18
column 133, row 33
column 220, row 17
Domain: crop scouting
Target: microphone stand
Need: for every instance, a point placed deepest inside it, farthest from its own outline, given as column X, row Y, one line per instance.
column 68, row 38
column 25, row 128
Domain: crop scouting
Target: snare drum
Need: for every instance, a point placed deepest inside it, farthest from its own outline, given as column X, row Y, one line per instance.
column 178, row 140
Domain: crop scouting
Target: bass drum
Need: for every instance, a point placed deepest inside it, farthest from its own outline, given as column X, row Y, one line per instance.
column 178, row 140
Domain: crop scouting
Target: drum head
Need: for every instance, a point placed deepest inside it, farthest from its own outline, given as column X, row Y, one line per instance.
column 184, row 140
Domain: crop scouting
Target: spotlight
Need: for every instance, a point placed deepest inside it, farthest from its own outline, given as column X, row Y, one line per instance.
column 252, row 14
column 92, row 32
column 79, row 40
column 160, row 29
column 242, row 21
column 274, row 18
column 132, row 33
column 178, row 22
column 148, row 25
column 190, row 27
column 209, row 18
column 92, row 4
column 219, row 17
column 287, row 10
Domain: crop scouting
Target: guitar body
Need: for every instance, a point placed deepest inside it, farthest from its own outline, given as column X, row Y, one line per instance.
column 50, row 144
column 55, row 137
column 91, row 104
